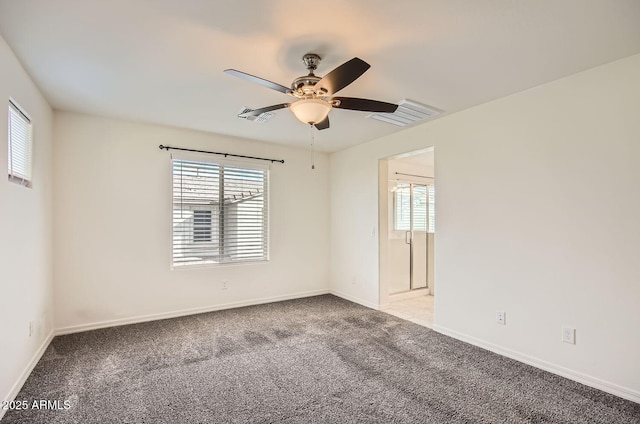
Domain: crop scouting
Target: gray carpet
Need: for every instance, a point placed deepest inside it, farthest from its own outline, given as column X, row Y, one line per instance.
column 313, row 360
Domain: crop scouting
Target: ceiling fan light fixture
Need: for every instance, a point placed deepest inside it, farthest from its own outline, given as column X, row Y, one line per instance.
column 310, row 111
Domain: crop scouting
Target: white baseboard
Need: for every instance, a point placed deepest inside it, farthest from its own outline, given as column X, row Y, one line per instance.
column 354, row 299
column 183, row 312
column 597, row 383
column 26, row 372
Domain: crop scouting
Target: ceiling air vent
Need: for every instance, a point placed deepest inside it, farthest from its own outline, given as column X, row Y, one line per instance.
column 407, row 113
column 263, row 117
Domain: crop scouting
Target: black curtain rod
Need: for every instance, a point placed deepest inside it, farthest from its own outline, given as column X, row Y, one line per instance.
column 219, row 153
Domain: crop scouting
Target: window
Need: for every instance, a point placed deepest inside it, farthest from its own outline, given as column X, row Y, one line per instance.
column 201, row 225
column 19, row 145
column 423, row 207
column 220, row 212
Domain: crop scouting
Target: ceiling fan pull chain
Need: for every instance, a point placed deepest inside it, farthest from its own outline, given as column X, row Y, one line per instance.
column 313, row 159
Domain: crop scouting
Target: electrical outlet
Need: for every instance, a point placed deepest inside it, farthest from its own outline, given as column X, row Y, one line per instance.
column 30, row 328
column 224, row 285
column 501, row 317
column 569, row 335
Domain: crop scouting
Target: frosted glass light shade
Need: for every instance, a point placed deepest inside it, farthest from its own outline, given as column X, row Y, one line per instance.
column 310, row 111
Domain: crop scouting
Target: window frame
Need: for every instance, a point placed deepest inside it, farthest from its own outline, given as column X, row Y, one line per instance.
column 218, row 228
column 429, row 226
column 15, row 111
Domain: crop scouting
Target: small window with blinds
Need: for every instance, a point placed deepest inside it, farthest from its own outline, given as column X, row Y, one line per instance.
column 422, row 207
column 220, row 213
column 202, row 225
column 20, row 145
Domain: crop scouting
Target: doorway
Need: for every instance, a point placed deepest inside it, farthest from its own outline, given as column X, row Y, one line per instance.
column 407, row 235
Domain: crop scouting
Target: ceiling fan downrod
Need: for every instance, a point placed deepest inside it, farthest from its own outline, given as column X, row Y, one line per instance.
column 311, row 61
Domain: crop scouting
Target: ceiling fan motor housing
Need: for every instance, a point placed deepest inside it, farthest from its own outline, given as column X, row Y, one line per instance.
column 304, row 86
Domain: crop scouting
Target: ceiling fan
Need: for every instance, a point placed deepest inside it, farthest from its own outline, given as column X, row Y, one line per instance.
column 314, row 95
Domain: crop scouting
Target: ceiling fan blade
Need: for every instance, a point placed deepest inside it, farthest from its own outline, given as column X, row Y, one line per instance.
column 323, row 125
column 263, row 82
column 364, row 105
column 263, row 110
column 342, row 76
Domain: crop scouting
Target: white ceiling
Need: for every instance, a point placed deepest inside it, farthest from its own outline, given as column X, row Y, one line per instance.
column 161, row 61
column 424, row 158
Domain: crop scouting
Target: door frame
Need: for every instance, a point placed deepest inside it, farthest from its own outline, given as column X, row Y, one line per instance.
column 384, row 197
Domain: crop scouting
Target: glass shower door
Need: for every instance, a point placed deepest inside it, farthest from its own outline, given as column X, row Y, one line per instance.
column 408, row 242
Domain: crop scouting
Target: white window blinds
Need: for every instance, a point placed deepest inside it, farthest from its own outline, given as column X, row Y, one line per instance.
column 19, row 146
column 423, row 207
column 220, row 213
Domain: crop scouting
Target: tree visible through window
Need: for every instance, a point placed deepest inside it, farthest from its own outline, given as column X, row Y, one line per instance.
column 220, row 213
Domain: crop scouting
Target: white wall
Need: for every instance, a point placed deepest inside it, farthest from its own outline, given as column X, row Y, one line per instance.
column 537, row 210
column 112, row 216
column 25, row 235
